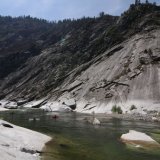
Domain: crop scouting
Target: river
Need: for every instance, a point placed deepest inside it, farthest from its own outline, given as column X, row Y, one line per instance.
column 74, row 139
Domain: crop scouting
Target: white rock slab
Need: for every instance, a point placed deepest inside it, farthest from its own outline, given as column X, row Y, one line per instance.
column 14, row 140
column 137, row 136
column 55, row 107
column 3, row 109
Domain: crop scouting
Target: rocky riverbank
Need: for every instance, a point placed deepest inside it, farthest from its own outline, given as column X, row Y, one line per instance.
column 70, row 105
column 137, row 117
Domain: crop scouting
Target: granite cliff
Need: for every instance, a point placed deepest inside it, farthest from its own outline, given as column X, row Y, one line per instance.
column 93, row 62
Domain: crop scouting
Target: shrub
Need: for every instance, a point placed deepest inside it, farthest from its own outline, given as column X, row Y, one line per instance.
column 133, row 107
column 114, row 109
column 117, row 109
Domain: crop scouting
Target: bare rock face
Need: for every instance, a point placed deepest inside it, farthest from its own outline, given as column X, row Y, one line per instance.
column 94, row 65
column 130, row 76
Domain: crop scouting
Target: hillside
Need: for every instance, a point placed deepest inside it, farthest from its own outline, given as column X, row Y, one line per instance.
column 98, row 62
column 52, row 47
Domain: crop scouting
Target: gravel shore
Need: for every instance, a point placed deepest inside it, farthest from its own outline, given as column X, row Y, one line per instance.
column 147, row 117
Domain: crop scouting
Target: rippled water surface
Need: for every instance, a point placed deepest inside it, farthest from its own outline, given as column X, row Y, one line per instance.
column 74, row 139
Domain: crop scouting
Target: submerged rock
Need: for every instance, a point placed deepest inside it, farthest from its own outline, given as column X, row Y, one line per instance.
column 65, row 146
column 34, row 119
column 96, row 121
column 155, row 119
column 93, row 121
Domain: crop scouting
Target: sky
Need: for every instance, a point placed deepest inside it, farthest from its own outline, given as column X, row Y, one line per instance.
column 61, row 9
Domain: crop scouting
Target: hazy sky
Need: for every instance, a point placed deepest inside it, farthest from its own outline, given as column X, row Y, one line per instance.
column 60, row 9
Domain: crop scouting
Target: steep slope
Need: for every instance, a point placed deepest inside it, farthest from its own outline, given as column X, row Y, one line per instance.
column 130, row 76
column 126, row 75
column 38, row 66
column 97, row 62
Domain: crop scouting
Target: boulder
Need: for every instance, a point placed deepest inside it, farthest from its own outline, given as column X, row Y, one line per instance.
column 96, row 121
column 55, row 107
column 139, row 139
column 155, row 119
column 137, row 136
column 93, row 121
column 64, row 108
column 70, row 103
column 11, row 105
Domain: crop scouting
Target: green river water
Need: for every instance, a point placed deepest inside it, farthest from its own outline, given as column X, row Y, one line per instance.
column 74, row 139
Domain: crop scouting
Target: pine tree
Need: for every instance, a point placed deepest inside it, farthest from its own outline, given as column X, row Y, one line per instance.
column 139, row 1
column 154, row 3
column 101, row 14
column 136, row 2
column 147, row 2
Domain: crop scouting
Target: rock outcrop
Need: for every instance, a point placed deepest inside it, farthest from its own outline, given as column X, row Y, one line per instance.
column 121, row 78
column 97, row 63
column 19, row 143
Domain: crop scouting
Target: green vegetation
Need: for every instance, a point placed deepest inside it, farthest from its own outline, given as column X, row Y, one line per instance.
column 136, row 13
column 24, row 37
column 117, row 109
column 133, row 107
